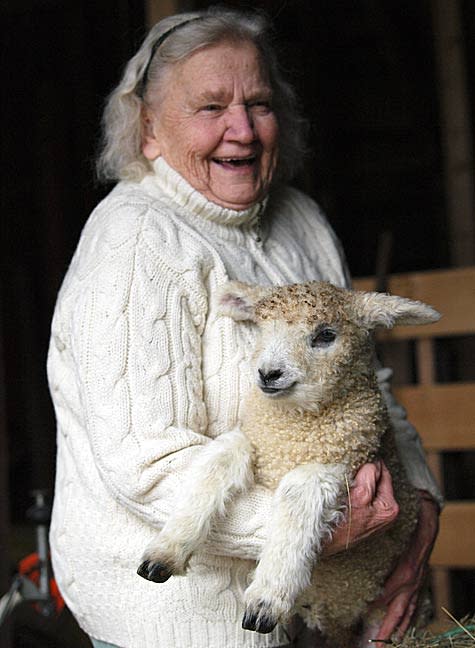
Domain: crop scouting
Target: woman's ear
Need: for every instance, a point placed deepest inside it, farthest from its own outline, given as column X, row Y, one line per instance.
column 150, row 145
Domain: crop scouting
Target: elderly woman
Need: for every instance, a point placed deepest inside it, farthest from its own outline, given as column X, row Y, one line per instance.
column 202, row 133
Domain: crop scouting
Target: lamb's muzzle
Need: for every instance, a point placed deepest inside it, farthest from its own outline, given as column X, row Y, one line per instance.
column 274, row 382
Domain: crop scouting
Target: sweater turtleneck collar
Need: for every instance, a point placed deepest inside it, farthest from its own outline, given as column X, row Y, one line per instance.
column 178, row 190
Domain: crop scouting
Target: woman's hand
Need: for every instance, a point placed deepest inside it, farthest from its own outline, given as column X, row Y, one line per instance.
column 373, row 508
column 402, row 588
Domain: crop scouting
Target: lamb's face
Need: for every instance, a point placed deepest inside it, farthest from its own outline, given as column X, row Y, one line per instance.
column 314, row 338
column 308, row 348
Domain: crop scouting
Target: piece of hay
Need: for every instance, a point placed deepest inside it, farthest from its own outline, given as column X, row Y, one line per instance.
column 461, row 634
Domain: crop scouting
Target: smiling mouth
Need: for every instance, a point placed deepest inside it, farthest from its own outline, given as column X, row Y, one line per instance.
column 236, row 162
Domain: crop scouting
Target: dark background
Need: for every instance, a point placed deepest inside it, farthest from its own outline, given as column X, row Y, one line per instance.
column 366, row 73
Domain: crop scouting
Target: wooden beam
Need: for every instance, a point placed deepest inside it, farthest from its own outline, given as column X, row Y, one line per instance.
column 441, row 597
column 455, row 546
column 436, row 288
column 435, row 409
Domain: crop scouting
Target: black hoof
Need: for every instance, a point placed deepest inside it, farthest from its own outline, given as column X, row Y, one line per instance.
column 154, row 572
column 258, row 622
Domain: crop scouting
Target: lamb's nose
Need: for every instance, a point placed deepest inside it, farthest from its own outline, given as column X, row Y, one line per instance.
column 270, row 376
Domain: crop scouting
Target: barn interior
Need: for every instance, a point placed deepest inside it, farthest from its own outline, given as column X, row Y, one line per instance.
column 388, row 87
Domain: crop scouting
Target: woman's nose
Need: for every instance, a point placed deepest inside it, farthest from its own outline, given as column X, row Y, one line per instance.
column 240, row 126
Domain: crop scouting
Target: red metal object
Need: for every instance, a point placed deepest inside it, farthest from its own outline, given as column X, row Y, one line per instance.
column 29, row 567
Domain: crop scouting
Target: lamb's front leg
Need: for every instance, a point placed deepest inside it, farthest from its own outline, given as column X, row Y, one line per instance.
column 223, row 468
column 306, row 507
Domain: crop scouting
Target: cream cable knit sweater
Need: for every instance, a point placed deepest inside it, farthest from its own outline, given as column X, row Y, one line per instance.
column 142, row 375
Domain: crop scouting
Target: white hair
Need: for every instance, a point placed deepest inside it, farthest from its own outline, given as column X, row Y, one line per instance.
column 121, row 155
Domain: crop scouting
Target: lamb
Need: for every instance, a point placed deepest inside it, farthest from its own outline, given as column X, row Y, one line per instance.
column 314, row 416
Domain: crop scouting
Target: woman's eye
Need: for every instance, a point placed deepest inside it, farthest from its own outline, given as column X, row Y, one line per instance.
column 212, row 108
column 260, row 106
column 323, row 337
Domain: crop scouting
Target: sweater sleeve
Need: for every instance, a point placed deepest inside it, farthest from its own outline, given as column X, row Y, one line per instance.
column 136, row 324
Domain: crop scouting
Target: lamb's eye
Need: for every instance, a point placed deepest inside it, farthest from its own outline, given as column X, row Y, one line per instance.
column 323, row 337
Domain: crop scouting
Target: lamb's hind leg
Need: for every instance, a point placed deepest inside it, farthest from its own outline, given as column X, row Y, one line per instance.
column 305, row 509
column 223, row 468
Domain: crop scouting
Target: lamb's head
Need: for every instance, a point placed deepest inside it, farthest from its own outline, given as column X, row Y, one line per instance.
column 314, row 338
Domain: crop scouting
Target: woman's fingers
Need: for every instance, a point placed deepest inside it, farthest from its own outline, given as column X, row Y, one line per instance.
column 372, row 507
column 365, row 484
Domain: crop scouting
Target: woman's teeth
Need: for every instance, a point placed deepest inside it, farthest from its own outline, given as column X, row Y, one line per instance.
column 236, row 161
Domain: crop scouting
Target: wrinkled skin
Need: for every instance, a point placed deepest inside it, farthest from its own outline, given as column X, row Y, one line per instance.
column 214, row 124
column 400, row 595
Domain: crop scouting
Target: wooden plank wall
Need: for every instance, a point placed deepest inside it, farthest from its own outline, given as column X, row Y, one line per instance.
column 443, row 413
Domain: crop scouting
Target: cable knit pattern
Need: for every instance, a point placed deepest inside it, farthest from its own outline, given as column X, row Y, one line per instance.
column 142, row 375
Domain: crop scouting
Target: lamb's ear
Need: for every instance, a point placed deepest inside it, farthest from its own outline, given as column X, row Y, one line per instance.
column 237, row 300
column 374, row 309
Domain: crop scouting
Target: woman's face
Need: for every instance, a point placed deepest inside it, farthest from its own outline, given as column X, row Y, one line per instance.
column 214, row 124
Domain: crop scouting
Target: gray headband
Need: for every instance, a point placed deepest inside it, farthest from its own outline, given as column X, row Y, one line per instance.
column 140, row 89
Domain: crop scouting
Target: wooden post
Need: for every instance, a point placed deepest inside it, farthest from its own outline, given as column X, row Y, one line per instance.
column 425, row 362
column 456, row 130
